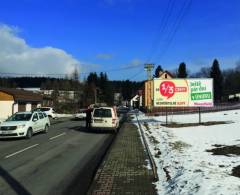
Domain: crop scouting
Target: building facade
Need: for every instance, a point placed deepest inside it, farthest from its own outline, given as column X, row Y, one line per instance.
column 16, row 100
column 148, row 89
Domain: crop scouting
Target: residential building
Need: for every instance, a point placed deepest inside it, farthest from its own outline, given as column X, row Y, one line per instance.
column 17, row 100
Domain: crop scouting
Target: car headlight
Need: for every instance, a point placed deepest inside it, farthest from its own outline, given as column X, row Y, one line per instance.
column 20, row 126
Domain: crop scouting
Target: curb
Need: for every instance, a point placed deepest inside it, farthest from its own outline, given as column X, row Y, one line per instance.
column 152, row 162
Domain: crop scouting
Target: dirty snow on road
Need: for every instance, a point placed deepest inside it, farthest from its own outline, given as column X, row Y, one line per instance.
column 183, row 157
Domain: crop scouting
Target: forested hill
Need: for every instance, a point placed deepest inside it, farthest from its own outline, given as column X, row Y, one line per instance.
column 126, row 87
column 24, row 82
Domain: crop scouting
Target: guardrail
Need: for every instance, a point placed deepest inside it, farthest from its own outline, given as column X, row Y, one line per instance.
column 152, row 162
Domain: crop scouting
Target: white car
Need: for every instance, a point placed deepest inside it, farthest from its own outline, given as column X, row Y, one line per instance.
column 81, row 114
column 105, row 118
column 24, row 124
column 50, row 112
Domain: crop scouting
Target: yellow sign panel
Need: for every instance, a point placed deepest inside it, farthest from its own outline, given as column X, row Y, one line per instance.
column 183, row 92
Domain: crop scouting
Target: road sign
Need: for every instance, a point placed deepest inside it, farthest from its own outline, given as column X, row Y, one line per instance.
column 183, row 92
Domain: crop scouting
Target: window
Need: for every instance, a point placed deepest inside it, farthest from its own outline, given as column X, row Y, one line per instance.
column 35, row 117
column 40, row 115
column 20, row 117
column 44, row 109
column 103, row 113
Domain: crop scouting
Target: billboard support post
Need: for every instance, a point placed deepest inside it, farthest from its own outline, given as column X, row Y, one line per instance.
column 199, row 112
column 166, row 116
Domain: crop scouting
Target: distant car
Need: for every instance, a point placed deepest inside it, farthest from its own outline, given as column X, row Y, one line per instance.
column 105, row 118
column 24, row 124
column 50, row 112
column 123, row 109
column 81, row 114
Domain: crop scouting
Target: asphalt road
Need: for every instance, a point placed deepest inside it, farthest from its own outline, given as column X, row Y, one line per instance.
column 62, row 161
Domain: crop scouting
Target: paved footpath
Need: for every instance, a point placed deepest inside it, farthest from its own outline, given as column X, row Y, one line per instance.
column 123, row 171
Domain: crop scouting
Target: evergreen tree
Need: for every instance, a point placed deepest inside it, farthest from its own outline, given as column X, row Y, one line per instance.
column 75, row 74
column 92, row 78
column 217, row 76
column 157, row 71
column 182, row 72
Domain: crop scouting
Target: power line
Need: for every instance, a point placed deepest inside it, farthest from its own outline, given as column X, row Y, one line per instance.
column 163, row 26
column 184, row 10
column 136, row 74
column 63, row 75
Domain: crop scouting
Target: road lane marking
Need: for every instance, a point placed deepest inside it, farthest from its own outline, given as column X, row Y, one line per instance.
column 57, row 136
column 15, row 153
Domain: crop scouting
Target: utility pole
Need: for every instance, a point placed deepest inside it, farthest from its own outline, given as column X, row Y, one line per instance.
column 148, row 68
column 95, row 96
column 96, row 90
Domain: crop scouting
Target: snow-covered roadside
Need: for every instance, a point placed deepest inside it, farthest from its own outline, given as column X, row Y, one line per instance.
column 180, row 153
column 64, row 115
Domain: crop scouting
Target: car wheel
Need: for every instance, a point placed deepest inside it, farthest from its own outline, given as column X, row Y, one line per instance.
column 29, row 133
column 46, row 128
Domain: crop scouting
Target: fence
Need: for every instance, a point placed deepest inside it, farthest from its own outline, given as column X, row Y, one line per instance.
column 189, row 110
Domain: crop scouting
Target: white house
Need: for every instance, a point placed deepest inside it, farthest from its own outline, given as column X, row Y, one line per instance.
column 16, row 100
column 137, row 100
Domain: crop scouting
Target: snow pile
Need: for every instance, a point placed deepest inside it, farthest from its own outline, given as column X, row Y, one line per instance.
column 184, row 165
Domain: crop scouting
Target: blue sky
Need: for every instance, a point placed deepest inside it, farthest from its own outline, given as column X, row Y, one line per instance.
column 105, row 35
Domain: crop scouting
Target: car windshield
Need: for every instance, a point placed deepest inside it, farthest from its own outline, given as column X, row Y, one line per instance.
column 102, row 113
column 20, row 117
column 44, row 109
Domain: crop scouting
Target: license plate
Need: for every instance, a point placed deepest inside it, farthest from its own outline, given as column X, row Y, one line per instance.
column 4, row 132
column 98, row 120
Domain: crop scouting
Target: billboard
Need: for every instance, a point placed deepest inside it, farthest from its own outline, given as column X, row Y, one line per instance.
column 183, row 92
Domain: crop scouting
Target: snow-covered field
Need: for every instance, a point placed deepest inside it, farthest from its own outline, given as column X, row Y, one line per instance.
column 184, row 165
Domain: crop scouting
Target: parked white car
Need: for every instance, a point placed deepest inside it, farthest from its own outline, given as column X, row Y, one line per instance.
column 105, row 118
column 24, row 124
column 50, row 112
column 81, row 114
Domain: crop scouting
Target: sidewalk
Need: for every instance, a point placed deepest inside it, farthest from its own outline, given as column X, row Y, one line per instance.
column 123, row 171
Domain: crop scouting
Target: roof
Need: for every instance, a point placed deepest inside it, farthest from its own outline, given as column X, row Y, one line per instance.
column 26, row 112
column 104, row 107
column 22, row 95
column 164, row 72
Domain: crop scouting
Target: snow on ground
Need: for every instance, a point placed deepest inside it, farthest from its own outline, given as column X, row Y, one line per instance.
column 183, row 158
column 64, row 115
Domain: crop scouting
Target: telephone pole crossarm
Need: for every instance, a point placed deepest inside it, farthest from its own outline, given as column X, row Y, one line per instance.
column 148, row 68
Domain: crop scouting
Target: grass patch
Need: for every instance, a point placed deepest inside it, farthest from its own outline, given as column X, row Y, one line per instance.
column 179, row 145
column 209, row 123
column 236, row 171
column 153, row 140
column 146, row 126
column 225, row 150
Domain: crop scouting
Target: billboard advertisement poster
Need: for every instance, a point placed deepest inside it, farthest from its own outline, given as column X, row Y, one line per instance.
column 183, row 92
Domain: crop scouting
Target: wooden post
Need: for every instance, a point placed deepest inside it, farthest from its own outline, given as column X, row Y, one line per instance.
column 199, row 112
column 166, row 116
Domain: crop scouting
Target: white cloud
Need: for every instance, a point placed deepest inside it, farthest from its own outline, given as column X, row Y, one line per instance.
column 16, row 56
column 135, row 63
